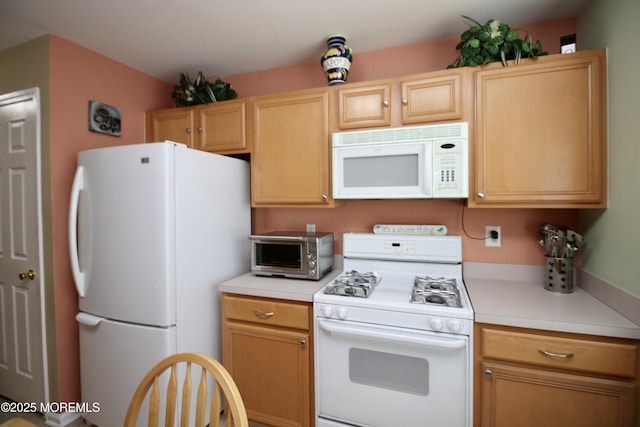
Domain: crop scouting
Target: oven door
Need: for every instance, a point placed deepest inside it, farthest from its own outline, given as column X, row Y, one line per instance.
column 372, row 375
column 383, row 171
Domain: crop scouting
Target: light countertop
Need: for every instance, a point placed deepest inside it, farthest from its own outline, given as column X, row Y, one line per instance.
column 501, row 294
column 519, row 299
column 276, row 287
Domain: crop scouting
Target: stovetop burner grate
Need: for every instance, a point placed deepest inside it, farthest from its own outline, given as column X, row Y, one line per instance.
column 436, row 291
column 354, row 284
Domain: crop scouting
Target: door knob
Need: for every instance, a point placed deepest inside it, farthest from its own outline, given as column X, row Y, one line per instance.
column 27, row 275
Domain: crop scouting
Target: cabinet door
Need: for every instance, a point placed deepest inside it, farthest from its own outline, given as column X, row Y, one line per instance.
column 271, row 368
column 517, row 396
column 541, row 133
column 437, row 97
column 364, row 106
column 173, row 124
column 290, row 158
column 222, row 127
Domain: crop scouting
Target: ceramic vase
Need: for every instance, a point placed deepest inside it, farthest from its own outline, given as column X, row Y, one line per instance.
column 336, row 60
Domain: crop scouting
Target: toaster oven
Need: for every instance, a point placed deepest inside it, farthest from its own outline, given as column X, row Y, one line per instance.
column 292, row 255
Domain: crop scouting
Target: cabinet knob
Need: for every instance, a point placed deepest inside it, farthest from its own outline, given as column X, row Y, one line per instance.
column 303, row 343
column 188, row 130
column 200, row 130
column 488, row 373
column 324, row 197
column 481, row 195
column 385, row 103
column 404, row 101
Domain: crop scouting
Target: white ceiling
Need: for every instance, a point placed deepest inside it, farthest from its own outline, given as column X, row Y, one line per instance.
column 165, row 37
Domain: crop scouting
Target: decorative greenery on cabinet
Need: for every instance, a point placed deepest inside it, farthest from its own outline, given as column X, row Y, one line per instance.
column 492, row 42
column 201, row 91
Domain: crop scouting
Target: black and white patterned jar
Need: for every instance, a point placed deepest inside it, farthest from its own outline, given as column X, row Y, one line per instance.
column 336, row 60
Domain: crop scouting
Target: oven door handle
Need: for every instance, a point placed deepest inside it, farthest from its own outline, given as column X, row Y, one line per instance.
column 396, row 336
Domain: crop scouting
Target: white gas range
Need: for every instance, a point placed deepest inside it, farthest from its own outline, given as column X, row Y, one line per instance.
column 394, row 335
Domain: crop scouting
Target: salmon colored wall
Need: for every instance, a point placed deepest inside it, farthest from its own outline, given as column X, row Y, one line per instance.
column 78, row 75
column 386, row 63
column 519, row 226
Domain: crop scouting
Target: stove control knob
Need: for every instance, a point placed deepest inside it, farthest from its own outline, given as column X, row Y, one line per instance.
column 436, row 324
column 327, row 310
column 342, row 313
column 454, row 325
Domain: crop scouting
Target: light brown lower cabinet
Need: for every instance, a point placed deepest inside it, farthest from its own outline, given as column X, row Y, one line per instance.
column 267, row 348
column 526, row 377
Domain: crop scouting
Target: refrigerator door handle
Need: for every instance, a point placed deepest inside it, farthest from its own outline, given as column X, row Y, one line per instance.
column 89, row 319
column 78, row 276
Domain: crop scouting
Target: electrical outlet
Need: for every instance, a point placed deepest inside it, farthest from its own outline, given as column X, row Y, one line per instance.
column 491, row 241
column 311, row 228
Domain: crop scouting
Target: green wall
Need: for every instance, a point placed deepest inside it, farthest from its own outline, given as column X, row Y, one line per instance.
column 613, row 236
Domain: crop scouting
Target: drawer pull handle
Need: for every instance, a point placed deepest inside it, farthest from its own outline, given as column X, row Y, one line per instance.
column 264, row 315
column 556, row 355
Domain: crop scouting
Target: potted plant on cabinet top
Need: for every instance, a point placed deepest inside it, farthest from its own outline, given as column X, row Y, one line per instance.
column 492, row 42
column 201, row 91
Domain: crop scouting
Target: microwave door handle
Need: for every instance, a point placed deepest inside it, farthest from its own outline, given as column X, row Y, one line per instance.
column 395, row 336
column 283, row 238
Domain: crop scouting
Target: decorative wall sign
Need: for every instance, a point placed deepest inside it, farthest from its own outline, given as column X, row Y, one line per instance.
column 104, row 118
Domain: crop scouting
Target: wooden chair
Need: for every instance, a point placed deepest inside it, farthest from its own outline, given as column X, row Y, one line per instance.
column 236, row 416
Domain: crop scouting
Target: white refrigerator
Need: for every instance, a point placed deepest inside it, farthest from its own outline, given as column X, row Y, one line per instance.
column 153, row 228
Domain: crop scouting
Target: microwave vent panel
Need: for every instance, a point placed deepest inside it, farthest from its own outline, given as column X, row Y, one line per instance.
column 403, row 134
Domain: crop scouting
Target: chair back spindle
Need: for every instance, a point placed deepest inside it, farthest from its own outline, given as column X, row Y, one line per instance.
column 211, row 372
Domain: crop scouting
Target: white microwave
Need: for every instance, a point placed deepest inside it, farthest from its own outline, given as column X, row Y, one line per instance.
column 416, row 162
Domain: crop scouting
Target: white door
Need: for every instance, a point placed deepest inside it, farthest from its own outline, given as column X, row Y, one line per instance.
column 22, row 372
column 123, row 256
column 114, row 357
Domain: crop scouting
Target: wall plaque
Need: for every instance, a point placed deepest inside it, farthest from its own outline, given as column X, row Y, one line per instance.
column 104, row 118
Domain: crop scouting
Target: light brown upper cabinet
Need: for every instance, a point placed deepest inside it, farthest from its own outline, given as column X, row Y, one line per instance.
column 173, row 124
column 541, row 133
column 364, row 105
column 223, row 127
column 290, row 161
column 435, row 97
column 423, row 98
column 219, row 127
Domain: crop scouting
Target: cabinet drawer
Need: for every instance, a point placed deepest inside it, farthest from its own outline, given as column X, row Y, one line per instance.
column 266, row 311
column 609, row 358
